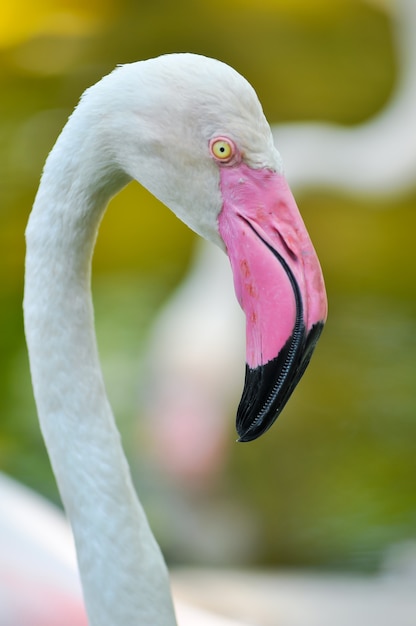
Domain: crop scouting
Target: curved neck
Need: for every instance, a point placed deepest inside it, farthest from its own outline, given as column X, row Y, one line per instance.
column 123, row 573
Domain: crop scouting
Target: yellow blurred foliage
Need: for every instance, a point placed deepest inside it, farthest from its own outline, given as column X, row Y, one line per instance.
column 300, row 9
column 22, row 20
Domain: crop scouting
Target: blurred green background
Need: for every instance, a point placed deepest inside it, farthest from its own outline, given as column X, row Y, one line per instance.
column 333, row 483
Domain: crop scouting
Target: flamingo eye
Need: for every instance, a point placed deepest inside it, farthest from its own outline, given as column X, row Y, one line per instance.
column 222, row 149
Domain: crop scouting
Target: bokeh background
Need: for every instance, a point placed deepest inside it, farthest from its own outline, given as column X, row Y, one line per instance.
column 333, row 484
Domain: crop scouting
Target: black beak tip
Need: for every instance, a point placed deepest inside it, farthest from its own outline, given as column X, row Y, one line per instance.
column 268, row 387
column 248, row 436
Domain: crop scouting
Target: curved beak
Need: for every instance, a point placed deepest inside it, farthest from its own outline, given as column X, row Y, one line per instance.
column 279, row 285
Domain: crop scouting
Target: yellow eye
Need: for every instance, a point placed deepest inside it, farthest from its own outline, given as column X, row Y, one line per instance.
column 222, row 149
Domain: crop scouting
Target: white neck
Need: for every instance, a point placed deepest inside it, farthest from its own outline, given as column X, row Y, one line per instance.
column 123, row 573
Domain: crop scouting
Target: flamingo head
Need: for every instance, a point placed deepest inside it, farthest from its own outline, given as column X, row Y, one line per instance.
column 197, row 138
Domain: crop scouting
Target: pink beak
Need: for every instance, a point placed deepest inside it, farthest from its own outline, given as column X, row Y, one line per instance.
column 279, row 285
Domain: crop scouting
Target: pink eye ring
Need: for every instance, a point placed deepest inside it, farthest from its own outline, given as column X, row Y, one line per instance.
column 222, row 149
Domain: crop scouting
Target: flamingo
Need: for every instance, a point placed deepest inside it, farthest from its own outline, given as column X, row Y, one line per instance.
column 192, row 131
column 39, row 584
